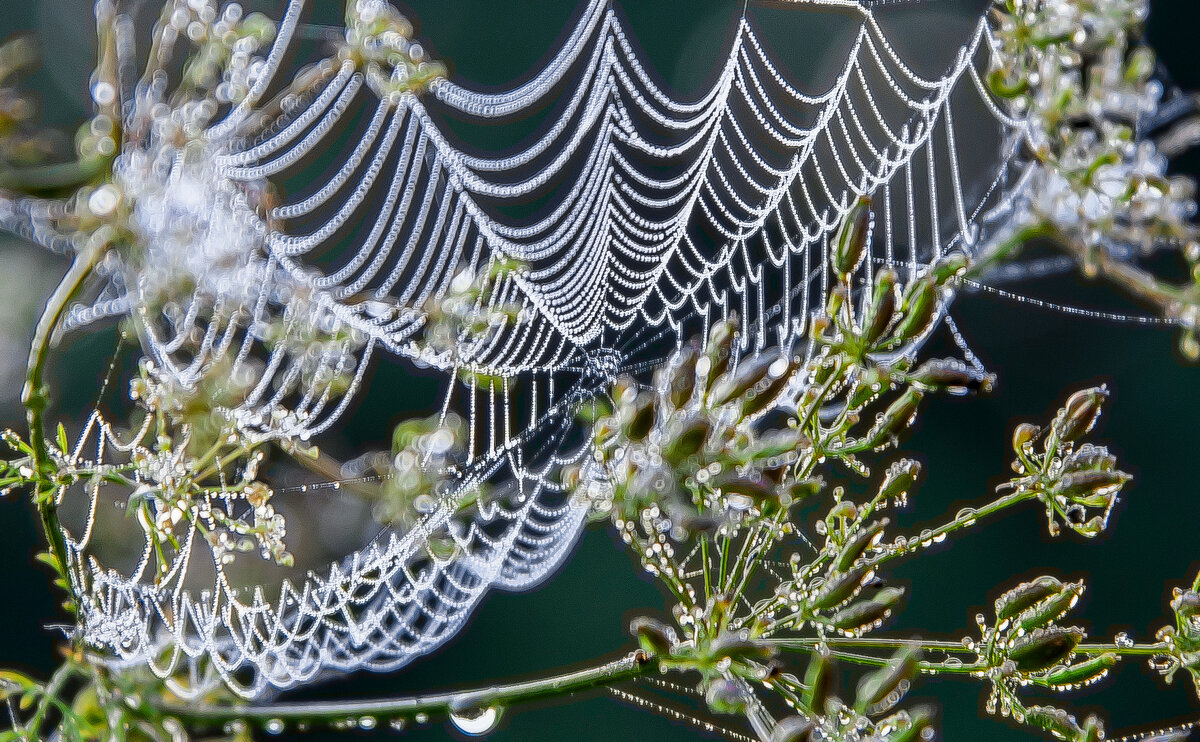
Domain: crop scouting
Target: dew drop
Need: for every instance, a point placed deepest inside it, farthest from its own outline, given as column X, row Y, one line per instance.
column 476, row 722
column 274, row 726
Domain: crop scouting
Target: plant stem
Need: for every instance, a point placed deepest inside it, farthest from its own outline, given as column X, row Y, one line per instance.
column 809, row 643
column 59, row 176
column 35, row 397
column 925, row 539
column 1137, row 649
column 803, row 644
column 630, row 666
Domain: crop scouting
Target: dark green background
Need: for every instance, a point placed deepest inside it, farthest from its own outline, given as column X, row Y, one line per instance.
column 581, row 612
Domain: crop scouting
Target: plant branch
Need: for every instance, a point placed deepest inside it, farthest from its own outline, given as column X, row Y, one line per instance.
column 630, row 666
column 35, row 397
column 810, row 643
column 963, row 520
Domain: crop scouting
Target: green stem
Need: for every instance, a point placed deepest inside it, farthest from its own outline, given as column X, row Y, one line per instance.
column 809, row 643
column 928, row 668
column 962, row 521
column 630, row 666
column 50, row 178
column 35, row 397
column 1141, row 650
column 50, row 695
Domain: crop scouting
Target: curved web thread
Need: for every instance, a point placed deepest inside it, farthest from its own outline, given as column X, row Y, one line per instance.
column 664, row 216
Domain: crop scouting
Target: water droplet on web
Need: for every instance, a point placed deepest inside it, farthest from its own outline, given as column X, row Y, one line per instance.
column 274, row 726
column 476, row 722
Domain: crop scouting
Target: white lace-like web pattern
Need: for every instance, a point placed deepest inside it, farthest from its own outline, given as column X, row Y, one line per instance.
column 660, row 216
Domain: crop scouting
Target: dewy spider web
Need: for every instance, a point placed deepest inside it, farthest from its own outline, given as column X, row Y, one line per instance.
column 663, row 216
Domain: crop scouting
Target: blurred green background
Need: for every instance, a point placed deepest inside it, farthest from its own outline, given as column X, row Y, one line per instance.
column 581, row 613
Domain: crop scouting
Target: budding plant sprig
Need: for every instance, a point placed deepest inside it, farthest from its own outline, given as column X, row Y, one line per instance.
column 723, row 453
column 706, row 484
column 1076, row 73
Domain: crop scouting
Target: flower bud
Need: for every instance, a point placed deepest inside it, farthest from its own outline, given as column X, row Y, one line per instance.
column 725, row 697
column 874, row 688
column 837, row 589
column 1052, row 608
column 1139, row 66
column 1044, row 647
column 720, row 348
column 604, row 431
column 818, row 681
column 898, row 416
column 1093, row 489
column 883, row 306
column 1024, row 434
column 948, row 267
column 1082, row 673
column 919, row 726
column 899, row 480
column 754, row 489
column 864, row 613
column 570, row 477
column 640, row 421
column 871, row 382
column 952, row 376
column 850, row 242
column 841, row 509
column 806, row 488
column 687, row 440
column 1080, row 413
column 792, row 729
column 1025, row 595
column 862, row 540
column 918, row 306
column 734, row 647
column 682, row 384
column 655, row 637
column 1054, row 720
column 779, row 374
column 835, row 303
column 749, row 372
column 1186, row 604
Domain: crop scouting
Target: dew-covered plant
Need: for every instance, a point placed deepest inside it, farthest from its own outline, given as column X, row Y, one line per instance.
column 756, row 483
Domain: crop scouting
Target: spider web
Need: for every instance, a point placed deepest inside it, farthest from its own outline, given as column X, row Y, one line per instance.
column 661, row 216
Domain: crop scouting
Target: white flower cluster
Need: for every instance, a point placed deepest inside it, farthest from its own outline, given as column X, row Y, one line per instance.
column 380, row 40
column 179, row 465
column 227, row 41
column 1073, row 72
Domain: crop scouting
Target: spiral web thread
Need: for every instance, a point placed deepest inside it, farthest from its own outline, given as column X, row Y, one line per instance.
column 664, row 216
